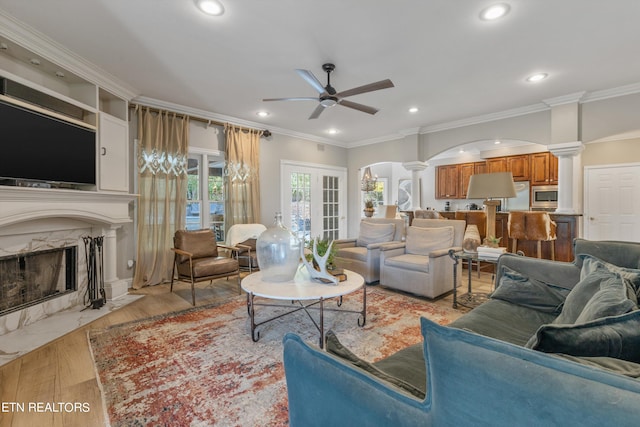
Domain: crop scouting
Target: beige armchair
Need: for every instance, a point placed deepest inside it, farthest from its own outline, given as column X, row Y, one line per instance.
column 421, row 265
column 362, row 255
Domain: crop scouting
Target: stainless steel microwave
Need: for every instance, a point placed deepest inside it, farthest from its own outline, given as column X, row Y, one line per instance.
column 544, row 197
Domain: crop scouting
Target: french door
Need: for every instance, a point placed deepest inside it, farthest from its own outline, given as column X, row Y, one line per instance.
column 313, row 200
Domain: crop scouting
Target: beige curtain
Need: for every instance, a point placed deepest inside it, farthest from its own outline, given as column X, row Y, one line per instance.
column 242, row 185
column 162, row 185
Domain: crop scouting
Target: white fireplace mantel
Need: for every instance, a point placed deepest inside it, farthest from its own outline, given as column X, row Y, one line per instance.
column 19, row 204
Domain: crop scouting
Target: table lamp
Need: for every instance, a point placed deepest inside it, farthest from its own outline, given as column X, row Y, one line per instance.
column 490, row 186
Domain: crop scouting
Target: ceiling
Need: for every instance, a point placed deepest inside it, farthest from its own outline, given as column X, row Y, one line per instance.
column 441, row 57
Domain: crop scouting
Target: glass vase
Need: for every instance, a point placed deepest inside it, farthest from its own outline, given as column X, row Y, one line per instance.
column 278, row 251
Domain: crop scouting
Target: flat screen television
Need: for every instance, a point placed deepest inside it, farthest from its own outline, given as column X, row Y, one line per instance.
column 38, row 147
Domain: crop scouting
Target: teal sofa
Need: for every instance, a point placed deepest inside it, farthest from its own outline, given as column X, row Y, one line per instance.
column 497, row 365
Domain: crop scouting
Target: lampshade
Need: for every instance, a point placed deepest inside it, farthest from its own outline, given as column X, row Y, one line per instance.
column 491, row 185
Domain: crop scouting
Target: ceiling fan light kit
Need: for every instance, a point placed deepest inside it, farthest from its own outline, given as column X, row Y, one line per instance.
column 329, row 97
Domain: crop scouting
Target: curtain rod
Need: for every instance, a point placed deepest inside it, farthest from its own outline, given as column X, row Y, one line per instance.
column 265, row 132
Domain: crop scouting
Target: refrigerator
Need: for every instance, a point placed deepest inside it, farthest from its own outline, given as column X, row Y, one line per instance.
column 521, row 201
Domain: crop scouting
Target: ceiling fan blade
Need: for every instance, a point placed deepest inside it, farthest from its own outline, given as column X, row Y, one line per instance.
column 382, row 84
column 291, row 99
column 356, row 106
column 311, row 79
column 316, row 113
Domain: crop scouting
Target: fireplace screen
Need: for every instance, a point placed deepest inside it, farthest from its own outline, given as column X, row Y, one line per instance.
column 30, row 278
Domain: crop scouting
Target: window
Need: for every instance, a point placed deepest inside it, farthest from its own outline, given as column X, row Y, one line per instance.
column 205, row 187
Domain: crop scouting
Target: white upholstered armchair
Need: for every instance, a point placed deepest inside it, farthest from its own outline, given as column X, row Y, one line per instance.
column 421, row 265
column 362, row 255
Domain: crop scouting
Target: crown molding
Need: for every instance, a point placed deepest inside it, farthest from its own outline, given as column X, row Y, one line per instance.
column 35, row 41
column 491, row 117
column 571, row 98
column 611, row 93
column 377, row 140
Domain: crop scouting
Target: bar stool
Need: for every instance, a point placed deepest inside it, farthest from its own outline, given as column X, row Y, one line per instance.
column 534, row 226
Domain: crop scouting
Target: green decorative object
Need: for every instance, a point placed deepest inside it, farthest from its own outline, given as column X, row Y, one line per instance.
column 492, row 241
column 321, row 247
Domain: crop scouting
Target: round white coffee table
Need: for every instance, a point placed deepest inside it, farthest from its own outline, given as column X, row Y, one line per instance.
column 307, row 293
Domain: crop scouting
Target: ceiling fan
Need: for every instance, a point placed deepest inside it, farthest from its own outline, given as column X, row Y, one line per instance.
column 328, row 95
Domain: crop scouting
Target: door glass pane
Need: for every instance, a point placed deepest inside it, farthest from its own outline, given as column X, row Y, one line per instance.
column 193, row 194
column 301, row 205
column 216, row 200
column 330, row 207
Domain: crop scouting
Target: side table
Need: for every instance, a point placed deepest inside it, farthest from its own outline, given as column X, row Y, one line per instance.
column 470, row 299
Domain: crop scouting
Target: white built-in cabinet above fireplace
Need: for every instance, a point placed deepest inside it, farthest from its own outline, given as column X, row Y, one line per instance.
column 113, row 137
column 103, row 108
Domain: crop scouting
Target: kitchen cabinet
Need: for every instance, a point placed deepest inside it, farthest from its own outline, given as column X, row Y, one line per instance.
column 544, row 169
column 519, row 167
column 447, row 182
column 465, row 170
column 497, row 164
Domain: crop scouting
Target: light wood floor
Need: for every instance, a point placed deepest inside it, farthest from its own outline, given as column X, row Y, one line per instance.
column 63, row 370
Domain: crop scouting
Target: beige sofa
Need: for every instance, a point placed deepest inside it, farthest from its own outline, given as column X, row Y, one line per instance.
column 422, row 265
column 362, row 255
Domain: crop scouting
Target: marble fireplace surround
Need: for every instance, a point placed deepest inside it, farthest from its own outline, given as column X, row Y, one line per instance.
column 42, row 218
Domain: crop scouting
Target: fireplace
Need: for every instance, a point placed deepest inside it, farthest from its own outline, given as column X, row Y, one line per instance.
column 33, row 277
column 56, row 221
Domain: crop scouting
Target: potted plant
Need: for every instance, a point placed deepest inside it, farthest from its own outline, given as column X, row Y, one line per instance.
column 322, row 245
column 492, row 241
column 368, row 208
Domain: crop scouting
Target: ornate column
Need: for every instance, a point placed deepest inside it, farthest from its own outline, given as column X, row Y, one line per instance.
column 415, row 167
column 113, row 286
column 567, row 153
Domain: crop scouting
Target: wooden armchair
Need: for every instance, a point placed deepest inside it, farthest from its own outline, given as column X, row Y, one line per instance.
column 196, row 259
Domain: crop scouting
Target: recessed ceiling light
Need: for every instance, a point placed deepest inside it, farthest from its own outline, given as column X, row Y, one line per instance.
column 497, row 142
column 262, row 113
column 210, row 7
column 494, row 12
column 34, row 61
column 461, row 151
column 332, row 131
column 60, row 74
column 537, row 77
column 413, row 109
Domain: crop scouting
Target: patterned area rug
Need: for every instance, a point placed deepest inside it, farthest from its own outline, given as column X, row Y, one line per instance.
column 200, row 367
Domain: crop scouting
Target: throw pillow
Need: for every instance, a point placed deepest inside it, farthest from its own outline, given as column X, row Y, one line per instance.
column 591, row 263
column 601, row 292
column 611, row 300
column 519, row 289
column 616, row 336
column 375, row 233
column 335, row 347
column 422, row 241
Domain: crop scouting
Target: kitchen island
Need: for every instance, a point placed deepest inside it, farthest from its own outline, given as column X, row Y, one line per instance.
column 569, row 227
